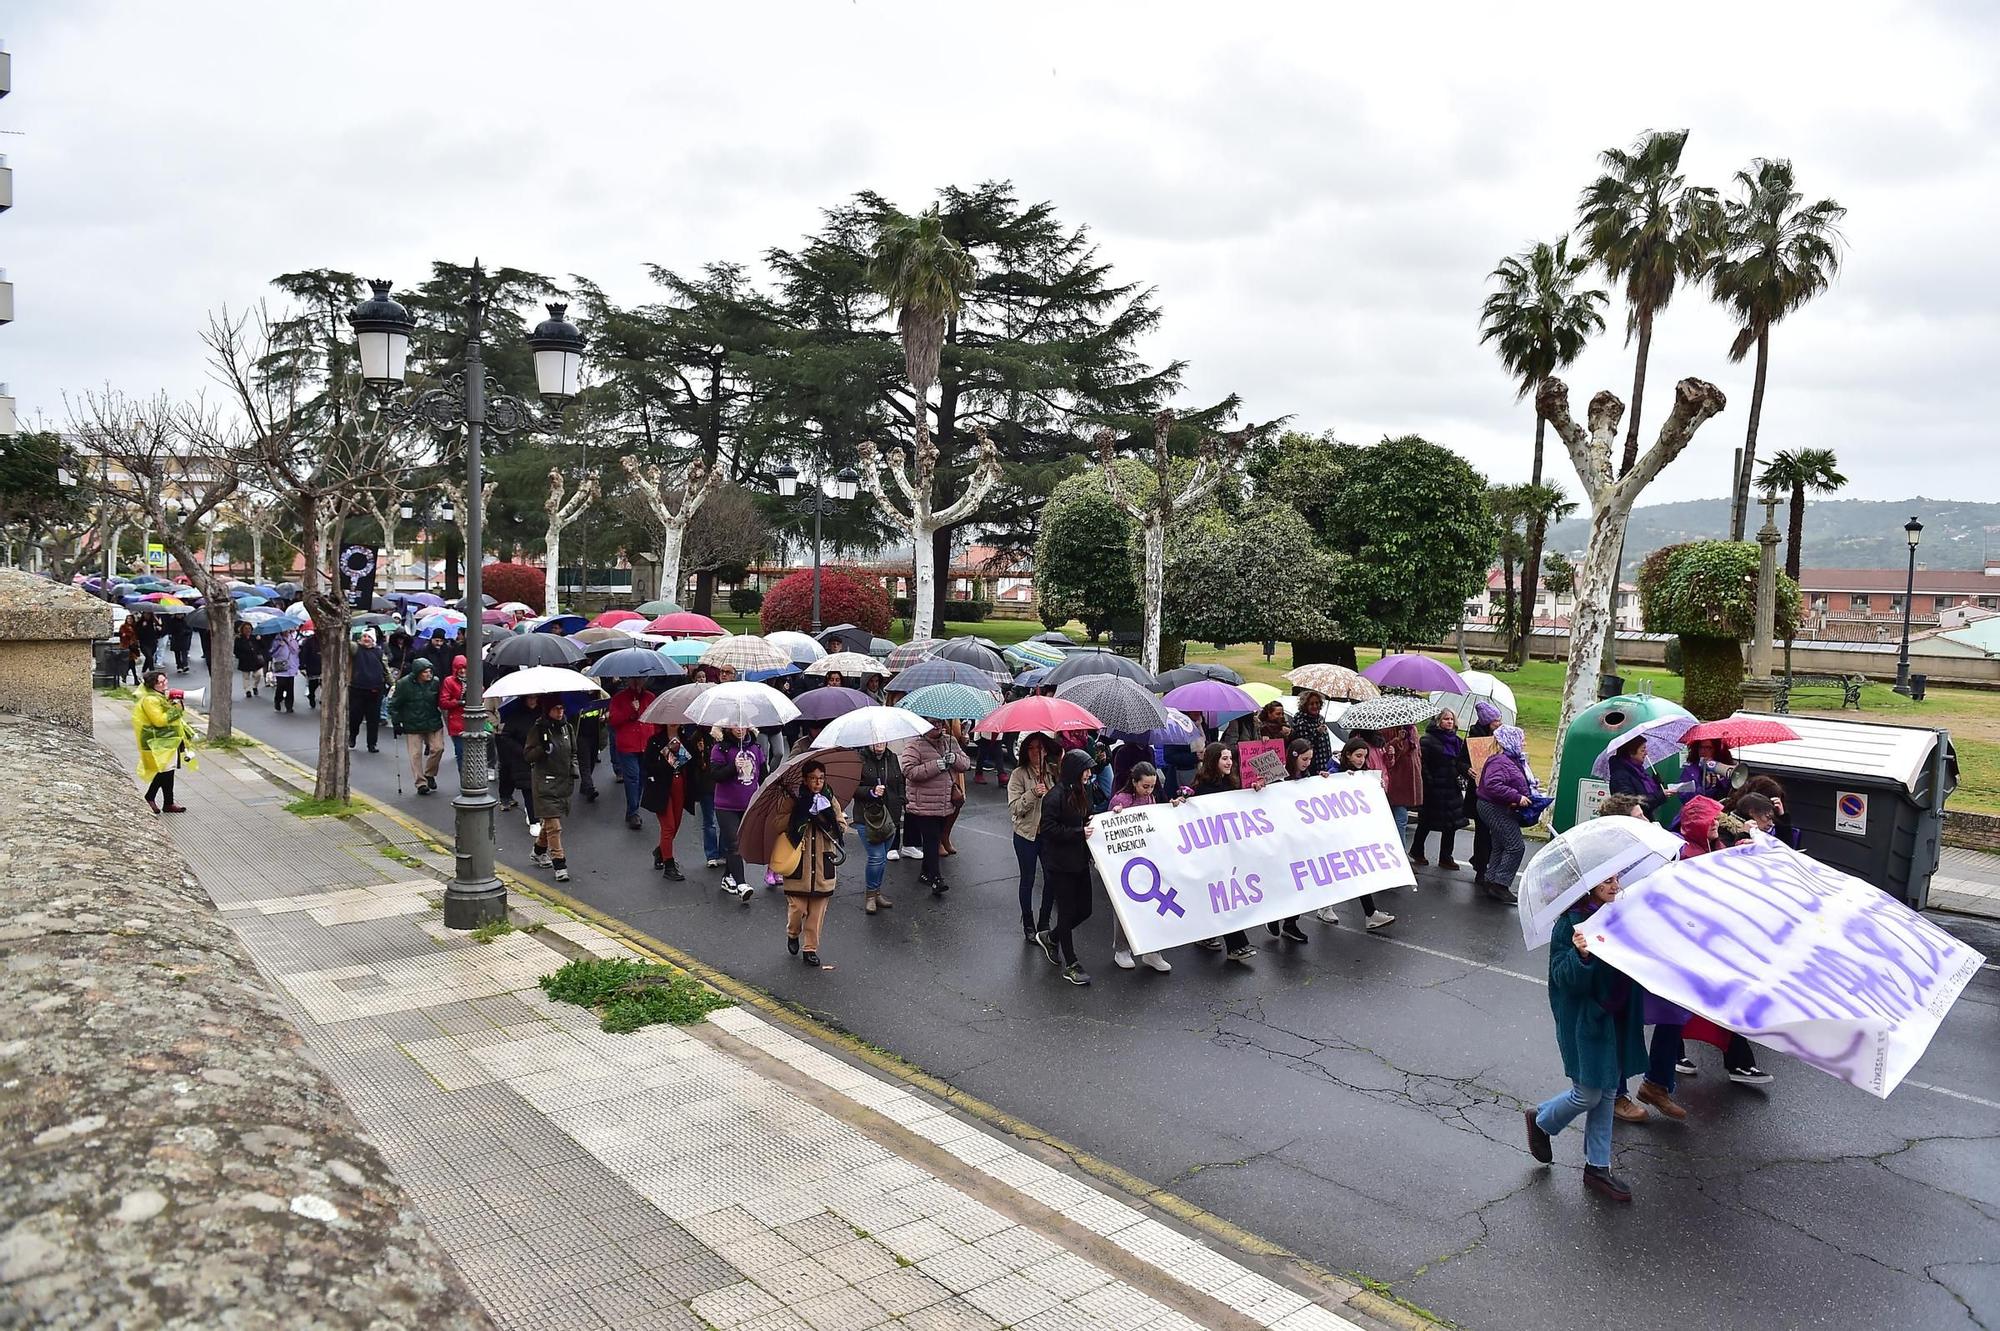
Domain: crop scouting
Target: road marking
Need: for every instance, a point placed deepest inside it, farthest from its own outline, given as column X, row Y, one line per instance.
column 1956, row 1095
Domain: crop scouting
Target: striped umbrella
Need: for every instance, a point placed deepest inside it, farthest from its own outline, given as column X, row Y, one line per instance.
column 1121, row 704
column 1035, row 654
column 744, row 653
column 1332, row 681
column 926, row 673
column 950, row 702
column 922, row 649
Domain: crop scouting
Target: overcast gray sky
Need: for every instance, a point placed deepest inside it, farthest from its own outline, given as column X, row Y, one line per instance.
column 1318, row 191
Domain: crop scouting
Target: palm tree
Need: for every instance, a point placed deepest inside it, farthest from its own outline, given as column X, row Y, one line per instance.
column 925, row 276
column 1777, row 253
column 1539, row 322
column 1650, row 229
column 1802, row 471
column 1519, row 509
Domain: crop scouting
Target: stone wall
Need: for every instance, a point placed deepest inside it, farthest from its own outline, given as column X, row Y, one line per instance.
column 173, row 1157
column 1971, row 831
column 45, row 634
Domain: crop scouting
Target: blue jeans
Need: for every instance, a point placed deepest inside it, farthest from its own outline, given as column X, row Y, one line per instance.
column 458, row 752
column 629, row 772
column 878, row 862
column 1560, row 1110
column 711, row 833
column 1028, row 854
column 1401, row 814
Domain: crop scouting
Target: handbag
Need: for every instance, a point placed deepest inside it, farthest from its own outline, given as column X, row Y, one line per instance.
column 1532, row 813
column 786, row 856
column 876, row 824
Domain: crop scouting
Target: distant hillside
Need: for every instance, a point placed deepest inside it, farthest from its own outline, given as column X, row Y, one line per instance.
column 1840, row 533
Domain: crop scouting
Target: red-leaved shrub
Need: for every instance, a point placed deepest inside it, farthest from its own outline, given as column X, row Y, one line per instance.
column 846, row 596
column 514, row 582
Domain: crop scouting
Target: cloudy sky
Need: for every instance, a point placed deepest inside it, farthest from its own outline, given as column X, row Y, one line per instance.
column 1318, row 192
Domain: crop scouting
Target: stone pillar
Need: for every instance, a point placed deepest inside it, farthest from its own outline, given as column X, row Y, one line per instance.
column 46, row 631
column 1760, row 690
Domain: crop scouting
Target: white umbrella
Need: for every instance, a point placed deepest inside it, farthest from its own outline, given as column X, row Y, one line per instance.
column 871, row 725
column 1581, row 858
column 804, row 650
column 850, row 664
column 1479, row 684
column 537, row 680
column 744, row 704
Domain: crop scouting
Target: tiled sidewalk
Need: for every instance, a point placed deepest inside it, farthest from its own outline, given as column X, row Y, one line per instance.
column 1967, row 881
column 726, row 1175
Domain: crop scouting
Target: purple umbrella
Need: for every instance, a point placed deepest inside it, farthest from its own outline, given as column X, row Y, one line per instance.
column 1662, row 736
column 828, row 701
column 1211, row 697
column 1418, row 674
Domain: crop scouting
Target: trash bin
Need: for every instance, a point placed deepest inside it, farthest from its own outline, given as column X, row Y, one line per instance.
column 1867, row 799
column 1576, row 790
column 107, row 663
column 1918, row 685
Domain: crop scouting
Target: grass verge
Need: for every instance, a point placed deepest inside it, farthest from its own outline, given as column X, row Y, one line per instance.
column 631, row 994
column 312, row 808
column 230, row 743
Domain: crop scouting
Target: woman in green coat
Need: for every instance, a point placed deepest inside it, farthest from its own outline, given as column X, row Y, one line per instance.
column 1601, row 1031
column 551, row 754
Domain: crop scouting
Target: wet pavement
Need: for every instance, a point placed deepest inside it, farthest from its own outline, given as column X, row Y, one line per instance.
column 1358, row 1098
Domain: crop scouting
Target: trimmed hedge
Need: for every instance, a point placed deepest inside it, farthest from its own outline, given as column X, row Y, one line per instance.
column 746, row 601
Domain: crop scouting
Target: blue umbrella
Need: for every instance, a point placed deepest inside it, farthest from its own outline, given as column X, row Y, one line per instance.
column 270, row 628
column 559, row 624
column 950, row 702
column 1031, row 679
column 634, row 663
column 765, row 676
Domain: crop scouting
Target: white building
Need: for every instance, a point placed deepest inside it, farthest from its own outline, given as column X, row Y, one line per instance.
column 1551, row 610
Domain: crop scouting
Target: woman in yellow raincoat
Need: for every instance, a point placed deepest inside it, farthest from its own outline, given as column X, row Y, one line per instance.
column 159, row 724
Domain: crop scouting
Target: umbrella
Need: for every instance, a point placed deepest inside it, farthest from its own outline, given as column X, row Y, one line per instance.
column 913, row 651
column 1188, row 674
column 804, row 650
column 1096, row 661
column 537, row 680
column 1032, row 679
column 652, row 608
column 633, row 663
column 848, row 634
column 250, row 602
column 1332, row 681
column 972, row 652
column 1179, row 729
column 1055, row 636
column 369, row 619
column 872, row 725
column 777, row 672
column 487, row 602
column 744, row 704
column 1054, row 715
column 847, row 663
column 1211, row 697
column 564, row 624
column 670, row 708
column 879, row 648
column 823, row 704
column 277, row 624
column 420, row 598
column 613, row 618
column 514, row 607
column 771, row 807
column 684, row 650
column 1479, row 685
column 1120, row 703
column 1263, row 694
column 162, row 608
column 743, row 653
column 1739, row 731
column 534, row 649
column 593, row 651
column 1581, row 858
column 1663, row 740
column 443, row 615
column 950, row 702
column 926, row 673
column 1388, row 712
column 686, row 624
column 256, row 614
column 1418, row 674
column 1034, row 654
column 585, row 637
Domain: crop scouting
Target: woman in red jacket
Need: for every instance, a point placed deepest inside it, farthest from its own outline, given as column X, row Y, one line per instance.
column 628, row 742
column 451, row 701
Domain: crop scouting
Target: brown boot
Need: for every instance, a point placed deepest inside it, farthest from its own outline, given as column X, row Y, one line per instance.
column 1660, row 1098
column 1627, row 1112
column 874, row 902
column 884, row 902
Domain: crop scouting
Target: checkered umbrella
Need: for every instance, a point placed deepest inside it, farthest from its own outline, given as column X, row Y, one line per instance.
column 922, row 649
column 1332, row 681
column 926, row 673
column 950, row 702
column 1122, row 704
column 1388, row 712
column 745, row 653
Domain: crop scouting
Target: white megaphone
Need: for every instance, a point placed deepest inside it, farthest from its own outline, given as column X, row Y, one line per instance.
column 194, row 697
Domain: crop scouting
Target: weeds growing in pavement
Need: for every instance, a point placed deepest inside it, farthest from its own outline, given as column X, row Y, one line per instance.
column 307, row 807
column 492, row 929
column 122, row 692
column 228, row 743
column 631, row 994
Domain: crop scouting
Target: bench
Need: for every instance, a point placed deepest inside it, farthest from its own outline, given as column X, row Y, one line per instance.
column 1849, row 687
column 1126, row 642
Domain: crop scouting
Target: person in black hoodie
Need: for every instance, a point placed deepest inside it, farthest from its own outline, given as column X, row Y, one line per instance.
column 309, row 666
column 367, row 677
column 180, row 637
column 1447, row 772
column 1066, row 862
column 510, row 743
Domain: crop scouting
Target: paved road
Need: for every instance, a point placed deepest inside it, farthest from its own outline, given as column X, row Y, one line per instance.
column 1358, row 1099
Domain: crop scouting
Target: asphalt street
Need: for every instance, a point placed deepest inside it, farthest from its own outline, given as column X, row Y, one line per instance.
column 1358, row 1098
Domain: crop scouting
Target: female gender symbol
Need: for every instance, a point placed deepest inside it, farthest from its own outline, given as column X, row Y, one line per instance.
column 1163, row 897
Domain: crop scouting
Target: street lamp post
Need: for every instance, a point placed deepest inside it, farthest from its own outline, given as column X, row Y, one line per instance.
column 1914, row 531
column 382, row 329
column 845, row 482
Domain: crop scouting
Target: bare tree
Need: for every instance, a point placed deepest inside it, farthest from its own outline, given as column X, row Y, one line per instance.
column 156, row 463
column 260, row 517
column 561, row 515
column 1610, row 496
column 729, row 530
column 1215, row 460
column 923, row 521
column 454, row 490
column 670, row 505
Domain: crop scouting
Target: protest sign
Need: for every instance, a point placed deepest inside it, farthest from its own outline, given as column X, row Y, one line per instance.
column 1181, row 873
column 1799, row 956
column 1263, row 759
column 1478, row 748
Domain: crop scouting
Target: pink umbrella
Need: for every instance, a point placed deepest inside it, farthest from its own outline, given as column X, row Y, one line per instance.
column 1039, row 712
column 500, row 617
column 611, row 619
column 685, row 624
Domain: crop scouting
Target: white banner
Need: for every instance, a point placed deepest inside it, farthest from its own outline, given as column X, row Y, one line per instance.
column 1803, row 958
column 1179, row 874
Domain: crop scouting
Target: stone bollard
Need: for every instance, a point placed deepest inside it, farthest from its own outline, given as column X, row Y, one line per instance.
column 46, row 630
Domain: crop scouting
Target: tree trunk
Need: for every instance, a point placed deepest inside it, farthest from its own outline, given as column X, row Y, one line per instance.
column 1749, row 466
column 1795, row 534
column 1154, row 532
column 330, row 781
column 257, row 555
column 923, row 591
column 1590, row 619
column 1638, row 392
column 221, row 667
column 671, row 536
column 1531, row 571
column 551, row 570
column 1509, row 596
column 940, row 544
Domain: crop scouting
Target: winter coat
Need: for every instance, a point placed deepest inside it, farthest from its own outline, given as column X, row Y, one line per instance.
column 249, row 654
column 1633, row 778
column 284, row 656
column 1062, row 829
column 1599, row 1012
column 1314, row 729
column 660, row 767
column 929, row 763
column 698, row 778
column 1401, row 766
column 551, row 755
column 883, row 769
column 160, row 728
column 451, row 701
column 309, row 658
column 179, row 632
column 367, row 671
column 1023, row 804
column 512, row 738
column 1504, row 781
column 628, row 733
column 149, row 633
column 817, row 834
column 1447, row 766
column 731, row 790
column 413, row 705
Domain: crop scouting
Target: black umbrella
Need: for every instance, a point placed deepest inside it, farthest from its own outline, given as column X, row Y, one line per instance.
column 1096, row 661
column 1055, row 636
column 518, row 650
column 1194, row 674
column 634, row 663
column 849, row 634
column 975, row 653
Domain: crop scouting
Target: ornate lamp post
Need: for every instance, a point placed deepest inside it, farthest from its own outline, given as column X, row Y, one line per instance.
column 382, row 328
column 1913, row 530
column 845, row 482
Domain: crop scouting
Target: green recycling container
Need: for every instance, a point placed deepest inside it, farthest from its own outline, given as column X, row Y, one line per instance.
column 1576, row 790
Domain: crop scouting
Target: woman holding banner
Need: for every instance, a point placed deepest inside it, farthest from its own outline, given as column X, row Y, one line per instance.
column 1064, row 827
column 1216, row 775
column 1140, row 786
column 1354, row 758
column 1302, row 761
column 1601, row 1032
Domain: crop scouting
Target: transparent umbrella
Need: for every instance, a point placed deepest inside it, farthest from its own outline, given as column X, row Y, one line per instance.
column 1581, row 858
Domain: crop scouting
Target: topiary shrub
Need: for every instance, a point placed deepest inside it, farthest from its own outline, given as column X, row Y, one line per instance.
column 514, row 582
column 846, row 596
column 746, row 600
column 1705, row 592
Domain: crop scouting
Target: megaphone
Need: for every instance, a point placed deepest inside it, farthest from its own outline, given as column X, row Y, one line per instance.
column 193, row 697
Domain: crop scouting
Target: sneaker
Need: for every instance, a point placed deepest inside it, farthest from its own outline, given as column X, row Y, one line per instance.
column 1243, row 953
column 1272, row 928
column 1381, row 919
column 1606, row 1184
column 1686, row 1068
column 1751, row 1076
column 1291, row 931
column 510, row 803
column 727, row 884
column 1046, row 941
column 632, row 821
column 714, row 863
column 895, row 854
column 542, row 859
column 744, row 892
column 562, row 875
column 534, row 828
column 1538, row 1141
column 1325, row 915
column 1076, row 975
column 1210, row 944
column 1154, row 961
column 1660, row 1098
column 1122, row 959
column 771, row 878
